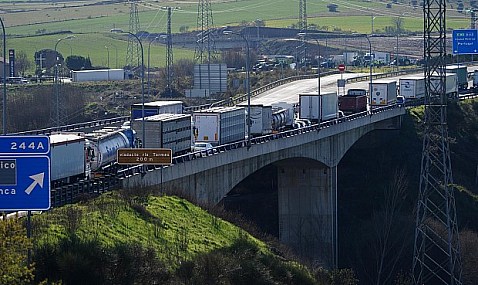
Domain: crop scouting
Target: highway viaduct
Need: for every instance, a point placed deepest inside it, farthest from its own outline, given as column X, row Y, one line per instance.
column 306, row 161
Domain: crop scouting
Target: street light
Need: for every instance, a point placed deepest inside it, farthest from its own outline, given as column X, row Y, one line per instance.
column 142, row 79
column 149, row 48
column 370, row 75
column 248, row 85
column 108, row 61
column 116, row 54
column 57, row 90
column 4, row 111
column 318, row 59
column 373, row 18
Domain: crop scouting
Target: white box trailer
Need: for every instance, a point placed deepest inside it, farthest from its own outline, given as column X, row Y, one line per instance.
column 317, row 107
column 412, row 87
column 261, row 119
column 155, row 108
column 384, row 92
column 219, row 125
column 171, row 131
column 451, row 85
column 97, row 75
column 67, row 157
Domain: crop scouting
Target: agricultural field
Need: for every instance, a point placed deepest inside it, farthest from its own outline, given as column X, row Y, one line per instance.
column 30, row 25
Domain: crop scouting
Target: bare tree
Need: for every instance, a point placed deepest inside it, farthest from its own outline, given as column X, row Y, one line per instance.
column 388, row 234
column 22, row 63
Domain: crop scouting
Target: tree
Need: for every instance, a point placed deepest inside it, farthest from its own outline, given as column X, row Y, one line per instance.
column 22, row 63
column 77, row 62
column 14, row 246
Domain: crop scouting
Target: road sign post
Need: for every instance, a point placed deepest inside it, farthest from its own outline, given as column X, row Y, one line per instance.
column 24, row 173
column 465, row 41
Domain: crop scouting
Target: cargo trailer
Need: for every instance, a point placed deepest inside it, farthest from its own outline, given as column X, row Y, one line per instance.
column 317, row 108
column 155, row 108
column 261, row 119
column 97, row 75
column 171, row 131
column 461, row 72
column 219, row 125
column 412, row 87
column 354, row 101
column 384, row 92
column 68, row 161
column 451, row 85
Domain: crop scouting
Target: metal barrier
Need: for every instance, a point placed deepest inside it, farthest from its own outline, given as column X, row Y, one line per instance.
column 74, row 127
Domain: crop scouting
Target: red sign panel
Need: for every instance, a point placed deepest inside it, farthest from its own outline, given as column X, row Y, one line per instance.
column 341, row 67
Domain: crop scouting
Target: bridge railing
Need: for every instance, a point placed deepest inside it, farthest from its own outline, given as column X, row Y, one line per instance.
column 73, row 127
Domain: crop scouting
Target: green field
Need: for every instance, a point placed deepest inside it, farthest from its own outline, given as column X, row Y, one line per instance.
column 91, row 23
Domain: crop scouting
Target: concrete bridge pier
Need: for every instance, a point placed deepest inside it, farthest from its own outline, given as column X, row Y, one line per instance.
column 308, row 209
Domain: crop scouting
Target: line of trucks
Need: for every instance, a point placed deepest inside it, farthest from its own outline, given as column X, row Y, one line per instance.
column 79, row 155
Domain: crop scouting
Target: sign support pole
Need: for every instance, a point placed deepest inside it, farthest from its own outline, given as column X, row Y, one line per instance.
column 29, row 236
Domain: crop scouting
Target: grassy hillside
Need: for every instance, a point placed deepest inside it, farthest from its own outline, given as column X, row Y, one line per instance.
column 123, row 239
column 163, row 223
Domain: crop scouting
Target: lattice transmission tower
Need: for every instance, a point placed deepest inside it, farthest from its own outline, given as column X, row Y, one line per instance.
column 205, row 46
column 169, row 56
column 302, row 48
column 436, row 258
column 133, row 53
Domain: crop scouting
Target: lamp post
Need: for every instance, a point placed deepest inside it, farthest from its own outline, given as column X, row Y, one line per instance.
column 4, row 111
column 57, row 87
column 142, row 80
column 149, row 48
column 373, row 18
column 108, row 61
column 248, row 85
column 318, row 58
column 116, row 54
column 370, row 75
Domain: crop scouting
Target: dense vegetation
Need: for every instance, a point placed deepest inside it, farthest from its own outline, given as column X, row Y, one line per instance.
column 122, row 239
column 378, row 188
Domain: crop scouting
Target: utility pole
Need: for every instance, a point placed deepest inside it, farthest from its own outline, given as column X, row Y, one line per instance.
column 302, row 48
column 205, row 47
column 436, row 257
column 169, row 56
column 133, row 52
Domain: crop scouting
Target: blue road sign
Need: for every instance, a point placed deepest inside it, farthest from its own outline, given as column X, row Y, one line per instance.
column 12, row 145
column 24, row 173
column 465, row 41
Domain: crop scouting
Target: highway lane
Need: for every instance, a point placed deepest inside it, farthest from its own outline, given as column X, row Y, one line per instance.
column 289, row 92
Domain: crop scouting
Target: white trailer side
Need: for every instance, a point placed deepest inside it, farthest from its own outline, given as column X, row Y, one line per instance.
column 67, row 156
